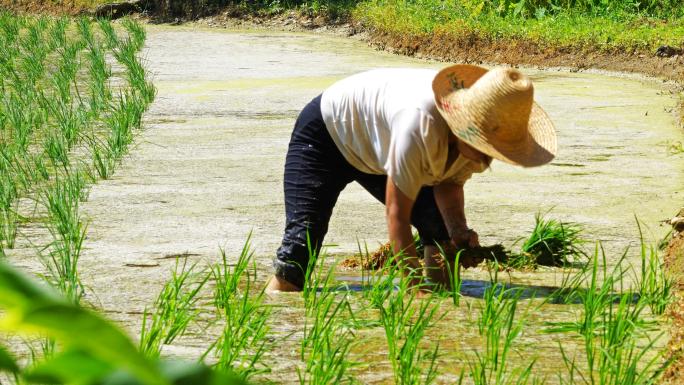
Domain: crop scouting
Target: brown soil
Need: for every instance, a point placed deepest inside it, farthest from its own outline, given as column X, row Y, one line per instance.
column 473, row 49
column 674, row 260
column 45, row 7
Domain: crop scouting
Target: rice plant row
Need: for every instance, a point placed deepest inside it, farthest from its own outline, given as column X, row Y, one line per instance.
column 63, row 125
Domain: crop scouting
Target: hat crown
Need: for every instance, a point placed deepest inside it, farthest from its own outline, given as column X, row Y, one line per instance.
column 500, row 103
column 494, row 112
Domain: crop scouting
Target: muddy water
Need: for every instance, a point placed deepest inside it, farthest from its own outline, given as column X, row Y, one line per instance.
column 208, row 171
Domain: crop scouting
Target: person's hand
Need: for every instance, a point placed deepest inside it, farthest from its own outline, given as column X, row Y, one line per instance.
column 467, row 238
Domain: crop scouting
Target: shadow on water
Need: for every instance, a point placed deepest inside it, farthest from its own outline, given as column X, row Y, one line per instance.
column 475, row 288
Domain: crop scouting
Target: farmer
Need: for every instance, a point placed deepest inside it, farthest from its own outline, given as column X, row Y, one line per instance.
column 412, row 138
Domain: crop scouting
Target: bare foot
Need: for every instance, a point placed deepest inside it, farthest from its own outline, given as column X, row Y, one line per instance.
column 278, row 284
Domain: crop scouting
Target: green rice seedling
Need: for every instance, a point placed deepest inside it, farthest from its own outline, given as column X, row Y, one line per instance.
column 136, row 73
column 654, row 286
column 615, row 354
column 58, row 33
column 68, row 232
column 174, row 309
column 124, row 116
column 595, row 292
column 8, row 196
column 405, row 323
column 85, row 30
column 454, row 273
column 111, row 39
column 104, row 165
column 136, row 31
column 551, row 243
column 326, row 344
column 13, row 115
column 499, row 327
column 41, row 171
column 56, row 149
column 100, row 72
column 327, row 341
column 242, row 343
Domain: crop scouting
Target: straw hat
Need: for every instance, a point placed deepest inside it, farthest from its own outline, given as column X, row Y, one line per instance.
column 494, row 111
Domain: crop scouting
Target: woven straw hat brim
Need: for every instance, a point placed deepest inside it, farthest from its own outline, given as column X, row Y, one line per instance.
column 537, row 147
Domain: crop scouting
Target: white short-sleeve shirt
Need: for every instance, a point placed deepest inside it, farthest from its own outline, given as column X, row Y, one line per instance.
column 385, row 121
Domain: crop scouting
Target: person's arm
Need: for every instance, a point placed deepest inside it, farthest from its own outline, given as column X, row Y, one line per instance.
column 398, row 211
column 451, row 203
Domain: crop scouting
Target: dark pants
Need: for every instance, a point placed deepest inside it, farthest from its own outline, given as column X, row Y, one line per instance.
column 315, row 174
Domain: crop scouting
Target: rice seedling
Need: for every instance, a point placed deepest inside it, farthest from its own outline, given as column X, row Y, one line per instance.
column 136, row 73
column 654, row 286
column 614, row 352
column 242, row 342
column 8, row 195
column 174, row 309
column 58, row 33
column 85, row 30
column 326, row 341
column 104, row 165
column 595, row 292
column 100, row 72
column 111, row 39
column 88, row 349
column 453, row 270
column 56, row 149
column 326, row 344
column 68, row 233
column 405, row 323
column 551, row 243
column 136, row 31
column 612, row 325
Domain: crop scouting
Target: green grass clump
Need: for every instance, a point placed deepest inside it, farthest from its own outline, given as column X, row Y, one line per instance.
column 605, row 28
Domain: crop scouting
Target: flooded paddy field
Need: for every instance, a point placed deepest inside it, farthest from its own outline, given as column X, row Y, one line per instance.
column 207, row 172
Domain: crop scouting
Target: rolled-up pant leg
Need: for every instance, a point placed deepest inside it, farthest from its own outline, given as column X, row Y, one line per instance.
column 315, row 174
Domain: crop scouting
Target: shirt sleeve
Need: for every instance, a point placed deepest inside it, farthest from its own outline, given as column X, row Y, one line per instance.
column 410, row 162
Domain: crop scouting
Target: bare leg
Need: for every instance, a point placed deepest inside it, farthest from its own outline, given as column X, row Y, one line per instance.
column 433, row 270
column 278, row 284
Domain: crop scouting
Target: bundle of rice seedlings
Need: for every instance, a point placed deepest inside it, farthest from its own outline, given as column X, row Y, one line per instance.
column 551, row 243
